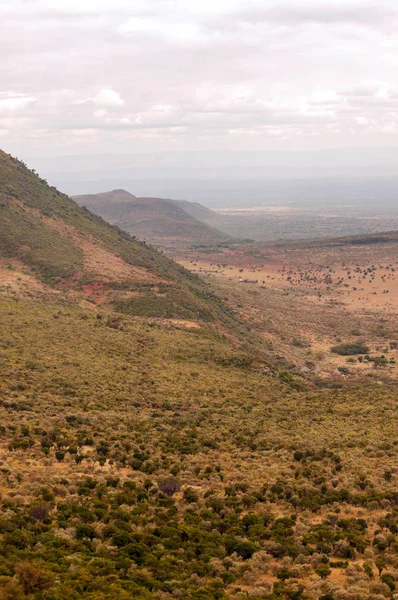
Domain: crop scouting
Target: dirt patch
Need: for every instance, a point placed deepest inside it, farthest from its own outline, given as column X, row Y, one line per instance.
column 13, row 278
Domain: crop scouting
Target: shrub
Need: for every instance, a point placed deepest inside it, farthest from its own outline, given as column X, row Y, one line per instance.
column 323, row 571
column 350, row 348
column 190, row 495
column 389, row 580
column 39, row 511
column 33, row 578
column 169, row 485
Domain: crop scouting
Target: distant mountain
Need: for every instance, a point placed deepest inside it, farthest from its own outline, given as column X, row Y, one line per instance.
column 165, row 223
column 47, row 237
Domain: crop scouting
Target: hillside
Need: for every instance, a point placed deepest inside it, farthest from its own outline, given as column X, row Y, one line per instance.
column 200, row 212
column 64, row 246
column 152, row 462
column 165, row 223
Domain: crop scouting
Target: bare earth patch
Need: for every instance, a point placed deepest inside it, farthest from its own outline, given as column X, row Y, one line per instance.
column 13, row 278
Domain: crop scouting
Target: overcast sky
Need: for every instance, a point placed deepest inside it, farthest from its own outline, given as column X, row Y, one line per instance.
column 124, row 76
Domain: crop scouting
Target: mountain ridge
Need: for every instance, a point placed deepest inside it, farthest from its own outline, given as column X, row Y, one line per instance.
column 160, row 221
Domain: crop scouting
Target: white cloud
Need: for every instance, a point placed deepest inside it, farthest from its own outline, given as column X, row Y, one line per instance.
column 99, row 113
column 235, row 73
column 108, row 97
column 13, row 103
column 382, row 93
column 179, row 32
column 105, row 98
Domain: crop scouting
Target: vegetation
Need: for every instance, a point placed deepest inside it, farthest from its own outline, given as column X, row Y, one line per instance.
column 351, row 348
column 156, row 446
column 140, row 460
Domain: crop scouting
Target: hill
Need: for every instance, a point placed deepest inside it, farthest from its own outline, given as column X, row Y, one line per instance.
column 165, row 223
column 70, row 249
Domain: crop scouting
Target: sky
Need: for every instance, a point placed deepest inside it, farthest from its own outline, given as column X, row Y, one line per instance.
column 80, row 78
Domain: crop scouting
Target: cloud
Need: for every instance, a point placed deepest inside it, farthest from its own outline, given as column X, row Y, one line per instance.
column 327, row 13
column 180, row 32
column 99, row 113
column 214, row 73
column 13, row 103
column 108, row 97
column 105, row 98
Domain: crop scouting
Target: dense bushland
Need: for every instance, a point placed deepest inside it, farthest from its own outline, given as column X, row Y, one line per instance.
column 149, row 461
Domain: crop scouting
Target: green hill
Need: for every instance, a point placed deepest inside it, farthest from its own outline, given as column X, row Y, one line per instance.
column 68, row 247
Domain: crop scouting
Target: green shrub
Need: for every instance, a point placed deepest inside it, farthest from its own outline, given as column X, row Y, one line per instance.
column 350, row 348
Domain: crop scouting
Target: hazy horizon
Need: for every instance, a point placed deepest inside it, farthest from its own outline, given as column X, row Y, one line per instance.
column 234, row 178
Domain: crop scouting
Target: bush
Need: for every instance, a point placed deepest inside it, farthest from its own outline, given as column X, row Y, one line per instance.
column 389, row 580
column 323, row 571
column 350, row 348
column 190, row 495
column 39, row 511
column 169, row 485
column 33, row 578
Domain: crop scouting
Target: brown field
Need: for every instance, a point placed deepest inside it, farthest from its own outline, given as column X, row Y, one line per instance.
column 355, row 287
column 305, row 299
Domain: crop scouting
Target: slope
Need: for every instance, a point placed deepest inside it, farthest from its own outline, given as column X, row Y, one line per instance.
column 68, row 248
column 197, row 210
column 151, row 463
column 165, row 223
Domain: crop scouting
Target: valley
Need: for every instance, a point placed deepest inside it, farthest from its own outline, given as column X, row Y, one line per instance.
column 302, row 219
column 317, row 295
column 223, row 428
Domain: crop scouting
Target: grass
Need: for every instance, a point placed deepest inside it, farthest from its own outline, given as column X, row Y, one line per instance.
column 24, row 236
column 162, row 306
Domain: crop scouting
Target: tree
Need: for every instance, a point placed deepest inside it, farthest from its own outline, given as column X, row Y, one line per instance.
column 380, row 564
column 367, row 567
column 39, row 511
column 169, row 485
column 389, row 580
column 33, row 578
column 323, row 571
column 190, row 495
column 283, row 573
